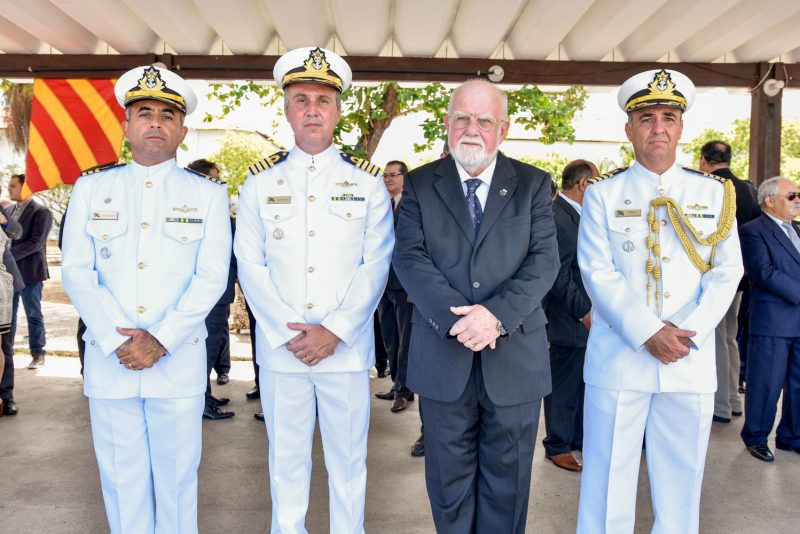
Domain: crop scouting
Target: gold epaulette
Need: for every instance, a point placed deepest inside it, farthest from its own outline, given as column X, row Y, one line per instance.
column 219, row 181
column 720, row 179
column 607, row 175
column 103, row 167
column 362, row 164
column 269, row 161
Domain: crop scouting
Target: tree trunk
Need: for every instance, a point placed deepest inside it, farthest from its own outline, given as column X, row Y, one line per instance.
column 368, row 142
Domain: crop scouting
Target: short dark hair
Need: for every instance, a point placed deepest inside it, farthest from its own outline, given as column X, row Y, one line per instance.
column 716, row 152
column 203, row 166
column 401, row 164
column 575, row 171
column 20, row 177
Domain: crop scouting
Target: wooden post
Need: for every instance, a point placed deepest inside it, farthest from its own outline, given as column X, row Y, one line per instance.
column 765, row 129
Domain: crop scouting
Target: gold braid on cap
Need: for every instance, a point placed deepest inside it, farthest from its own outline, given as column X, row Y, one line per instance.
column 680, row 223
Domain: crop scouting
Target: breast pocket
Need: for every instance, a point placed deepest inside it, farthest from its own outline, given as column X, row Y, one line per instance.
column 181, row 243
column 109, row 243
column 280, row 226
column 347, row 222
column 628, row 244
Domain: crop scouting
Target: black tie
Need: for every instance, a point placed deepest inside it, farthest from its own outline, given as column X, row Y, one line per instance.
column 473, row 204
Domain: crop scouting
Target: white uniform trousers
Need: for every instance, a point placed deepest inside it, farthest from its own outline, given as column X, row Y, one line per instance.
column 677, row 430
column 291, row 402
column 148, row 451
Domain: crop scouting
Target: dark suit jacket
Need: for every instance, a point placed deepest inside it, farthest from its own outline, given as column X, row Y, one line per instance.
column 774, row 267
column 29, row 250
column 393, row 282
column 13, row 231
column 508, row 267
column 567, row 301
column 747, row 207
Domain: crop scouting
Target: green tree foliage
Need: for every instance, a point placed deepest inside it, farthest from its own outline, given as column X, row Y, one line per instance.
column 236, row 153
column 368, row 111
column 553, row 164
column 739, row 139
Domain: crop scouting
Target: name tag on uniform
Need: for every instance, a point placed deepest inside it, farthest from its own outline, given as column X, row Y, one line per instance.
column 183, row 220
column 105, row 215
column 629, row 213
column 279, row 200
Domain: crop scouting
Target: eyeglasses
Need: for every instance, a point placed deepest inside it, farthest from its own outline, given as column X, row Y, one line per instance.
column 392, row 174
column 790, row 196
column 463, row 120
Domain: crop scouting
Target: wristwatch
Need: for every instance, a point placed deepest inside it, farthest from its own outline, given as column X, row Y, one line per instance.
column 501, row 329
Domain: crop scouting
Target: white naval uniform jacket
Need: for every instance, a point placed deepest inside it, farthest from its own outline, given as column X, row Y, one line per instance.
column 146, row 247
column 314, row 239
column 612, row 253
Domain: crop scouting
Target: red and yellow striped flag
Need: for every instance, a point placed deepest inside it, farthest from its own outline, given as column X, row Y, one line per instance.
column 75, row 125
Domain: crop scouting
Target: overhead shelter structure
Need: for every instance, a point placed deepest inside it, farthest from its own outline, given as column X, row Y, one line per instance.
column 753, row 44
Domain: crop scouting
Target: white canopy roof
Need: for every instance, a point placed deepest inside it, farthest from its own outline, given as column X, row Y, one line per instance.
column 730, row 31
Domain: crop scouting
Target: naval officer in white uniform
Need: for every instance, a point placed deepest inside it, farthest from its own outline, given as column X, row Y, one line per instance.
column 659, row 255
column 145, row 259
column 313, row 243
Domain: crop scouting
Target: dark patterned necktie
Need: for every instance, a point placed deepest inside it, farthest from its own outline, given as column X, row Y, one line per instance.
column 473, row 204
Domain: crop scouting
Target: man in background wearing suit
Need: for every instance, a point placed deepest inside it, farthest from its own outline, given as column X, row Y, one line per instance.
column 30, row 254
column 568, row 308
column 394, row 310
column 476, row 251
column 715, row 158
column 771, row 253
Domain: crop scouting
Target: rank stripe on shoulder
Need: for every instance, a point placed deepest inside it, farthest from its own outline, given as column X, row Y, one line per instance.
column 207, row 177
column 362, row 164
column 269, row 161
column 607, row 175
column 103, row 167
column 707, row 175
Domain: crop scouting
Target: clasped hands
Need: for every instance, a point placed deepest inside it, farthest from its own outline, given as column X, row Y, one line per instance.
column 313, row 344
column 477, row 328
column 141, row 351
column 670, row 344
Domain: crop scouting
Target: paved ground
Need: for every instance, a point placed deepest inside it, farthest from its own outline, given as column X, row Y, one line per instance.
column 49, row 481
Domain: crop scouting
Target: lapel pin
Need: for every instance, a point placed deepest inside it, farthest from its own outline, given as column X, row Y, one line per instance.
column 627, row 202
column 503, row 192
column 107, row 201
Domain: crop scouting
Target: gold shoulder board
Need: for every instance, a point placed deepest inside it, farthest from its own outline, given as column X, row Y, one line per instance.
column 103, row 167
column 607, row 175
column 720, row 179
column 269, row 161
column 362, row 164
column 207, row 177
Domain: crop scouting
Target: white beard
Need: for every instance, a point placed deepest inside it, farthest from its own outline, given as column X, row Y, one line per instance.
column 472, row 159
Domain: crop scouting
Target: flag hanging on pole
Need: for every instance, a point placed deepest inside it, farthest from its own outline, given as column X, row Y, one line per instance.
column 75, row 125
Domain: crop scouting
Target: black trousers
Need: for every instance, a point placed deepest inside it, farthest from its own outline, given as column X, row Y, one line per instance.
column 563, row 408
column 7, row 379
column 218, row 345
column 478, row 460
column 394, row 315
column 252, row 319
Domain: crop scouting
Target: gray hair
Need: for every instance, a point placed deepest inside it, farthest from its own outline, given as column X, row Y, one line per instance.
column 769, row 188
column 474, row 81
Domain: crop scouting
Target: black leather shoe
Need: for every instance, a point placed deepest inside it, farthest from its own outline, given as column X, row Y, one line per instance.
column 259, row 416
column 386, row 395
column 418, row 448
column 218, row 402
column 214, row 413
column 223, row 379
column 399, row 404
column 718, row 419
column 383, row 374
column 761, row 452
column 9, row 407
column 253, row 394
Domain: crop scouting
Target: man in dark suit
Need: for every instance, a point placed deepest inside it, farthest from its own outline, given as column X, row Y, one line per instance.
column 715, row 158
column 476, row 251
column 394, row 310
column 568, row 308
column 771, row 254
column 30, row 254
